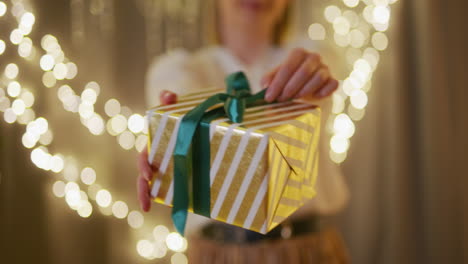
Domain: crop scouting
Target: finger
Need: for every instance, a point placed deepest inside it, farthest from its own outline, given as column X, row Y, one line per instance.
column 320, row 77
column 284, row 73
column 144, row 167
column 300, row 77
column 167, row 97
column 268, row 78
column 143, row 194
column 327, row 89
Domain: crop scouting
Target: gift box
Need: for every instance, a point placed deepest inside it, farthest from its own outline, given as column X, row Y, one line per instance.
column 252, row 173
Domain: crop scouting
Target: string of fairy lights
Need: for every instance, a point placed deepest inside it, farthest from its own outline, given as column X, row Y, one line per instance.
column 359, row 26
column 17, row 103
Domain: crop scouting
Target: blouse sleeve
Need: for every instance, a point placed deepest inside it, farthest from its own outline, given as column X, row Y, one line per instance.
column 168, row 72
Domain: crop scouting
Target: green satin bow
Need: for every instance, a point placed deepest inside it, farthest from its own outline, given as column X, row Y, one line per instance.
column 193, row 137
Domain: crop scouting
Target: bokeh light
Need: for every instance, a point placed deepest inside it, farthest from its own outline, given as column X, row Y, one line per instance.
column 135, row 219
column 120, row 209
column 103, row 198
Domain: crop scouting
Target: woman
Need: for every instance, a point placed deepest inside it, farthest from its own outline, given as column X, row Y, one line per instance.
column 250, row 33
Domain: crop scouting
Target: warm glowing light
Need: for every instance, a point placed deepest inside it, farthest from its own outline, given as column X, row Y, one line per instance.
column 343, row 126
column 49, row 43
column 16, row 36
column 362, row 66
column 28, row 19
column 47, row 62
column 29, row 140
column 140, row 142
column 14, row 89
column 95, row 124
column 381, row 14
column 72, row 70
column 64, row 93
column 120, row 209
column 88, row 176
column 136, row 123
column 71, row 172
column 42, row 125
column 341, row 25
column 103, row 198
column 11, row 71
column 60, row 71
column 342, row 40
column 119, row 123
column 112, row 107
column 379, row 41
column 372, row 56
column 338, row 157
column 359, row 99
column 135, row 219
column 89, row 95
column 179, row 258
column 25, row 48
column 73, row 198
column 59, row 189
column 127, row 140
column 85, row 209
column 368, row 13
column 4, row 103
column 331, row 13
column 160, row 249
column 126, row 111
column 355, row 114
column 338, row 103
column 58, row 55
column 18, row 107
column 2, row 47
column 57, row 163
column 9, row 116
column 175, row 242
column 46, row 138
column 48, row 79
column 86, row 110
column 3, row 8
column 316, row 32
column 18, row 9
column 351, row 3
column 93, row 86
column 71, row 186
column 27, row 97
column 160, row 233
column 145, row 248
column 339, row 144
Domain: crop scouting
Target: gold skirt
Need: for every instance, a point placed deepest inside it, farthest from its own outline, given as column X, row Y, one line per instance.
column 325, row 247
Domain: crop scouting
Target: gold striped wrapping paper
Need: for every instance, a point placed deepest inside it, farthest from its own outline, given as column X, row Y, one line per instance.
column 262, row 170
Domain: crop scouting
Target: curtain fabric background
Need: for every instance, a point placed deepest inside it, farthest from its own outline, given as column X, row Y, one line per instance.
column 406, row 166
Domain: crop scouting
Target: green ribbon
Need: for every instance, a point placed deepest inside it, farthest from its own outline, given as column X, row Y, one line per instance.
column 192, row 149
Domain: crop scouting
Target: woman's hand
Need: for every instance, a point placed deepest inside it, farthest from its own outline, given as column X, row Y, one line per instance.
column 302, row 75
column 145, row 168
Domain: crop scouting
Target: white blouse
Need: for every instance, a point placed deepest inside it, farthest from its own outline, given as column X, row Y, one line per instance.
column 182, row 72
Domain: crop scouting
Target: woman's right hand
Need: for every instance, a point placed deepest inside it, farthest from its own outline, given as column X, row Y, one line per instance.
column 146, row 169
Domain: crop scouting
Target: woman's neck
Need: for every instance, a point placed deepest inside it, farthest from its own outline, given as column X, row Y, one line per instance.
column 247, row 45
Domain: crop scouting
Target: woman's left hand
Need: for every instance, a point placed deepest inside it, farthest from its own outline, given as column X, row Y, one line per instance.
column 302, row 75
